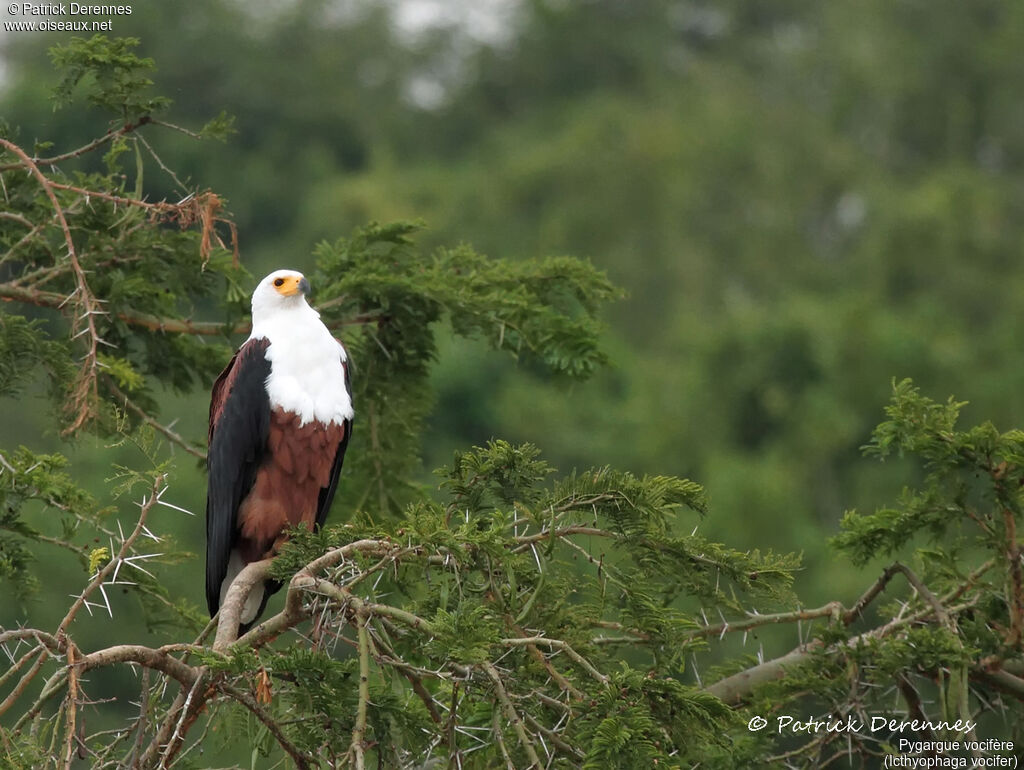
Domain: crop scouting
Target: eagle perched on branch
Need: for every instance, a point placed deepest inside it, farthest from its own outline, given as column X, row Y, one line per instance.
column 280, row 421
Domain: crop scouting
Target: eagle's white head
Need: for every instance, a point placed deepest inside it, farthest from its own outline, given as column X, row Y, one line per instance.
column 281, row 291
column 307, row 376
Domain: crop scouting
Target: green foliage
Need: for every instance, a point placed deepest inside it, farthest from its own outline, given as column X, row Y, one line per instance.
column 15, row 559
column 399, row 295
column 497, row 477
column 25, row 348
column 641, row 720
column 922, row 649
column 111, row 75
column 30, row 481
column 465, row 635
column 971, row 481
column 790, row 196
column 221, row 128
column 500, row 555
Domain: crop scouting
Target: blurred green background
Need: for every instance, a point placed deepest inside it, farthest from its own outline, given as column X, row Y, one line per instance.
column 804, row 201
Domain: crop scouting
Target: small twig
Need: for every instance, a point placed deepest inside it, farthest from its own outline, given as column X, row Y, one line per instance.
column 194, row 701
column 23, row 240
column 17, row 218
column 526, row 540
column 160, row 163
column 24, row 682
column 103, row 573
column 357, row 747
column 174, row 127
column 301, row 760
column 927, row 595
column 85, row 394
column 512, row 715
column 390, row 658
column 449, row 728
column 914, row 705
column 72, row 709
column 1016, row 600
column 98, row 142
column 146, row 418
column 556, row 739
column 50, row 688
column 19, row 664
column 140, row 728
column 832, row 609
column 496, row 730
column 163, row 735
column 870, row 595
column 558, row 644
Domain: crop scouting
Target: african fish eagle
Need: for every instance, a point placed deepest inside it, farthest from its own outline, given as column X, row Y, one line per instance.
column 280, row 421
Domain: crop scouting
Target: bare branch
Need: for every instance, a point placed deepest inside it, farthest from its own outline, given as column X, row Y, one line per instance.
column 20, row 663
column 831, row 610
column 94, row 144
column 72, row 708
column 737, row 687
column 558, row 644
column 162, row 429
column 85, row 395
column 733, row 689
column 357, row 747
column 158, row 660
column 512, row 715
column 25, row 681
column 103, row 573
column 234, row 600
column 302, row 760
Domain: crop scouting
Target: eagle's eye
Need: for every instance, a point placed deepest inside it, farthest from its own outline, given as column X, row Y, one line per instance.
column 279, row 282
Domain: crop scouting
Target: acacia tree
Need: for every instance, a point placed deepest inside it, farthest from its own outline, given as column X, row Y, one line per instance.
column 507, row 619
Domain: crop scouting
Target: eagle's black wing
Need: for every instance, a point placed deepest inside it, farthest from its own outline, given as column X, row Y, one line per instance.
column 239, row 425
column 327, row 493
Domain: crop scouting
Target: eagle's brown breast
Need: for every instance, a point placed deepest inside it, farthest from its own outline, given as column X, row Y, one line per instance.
column 287, row 487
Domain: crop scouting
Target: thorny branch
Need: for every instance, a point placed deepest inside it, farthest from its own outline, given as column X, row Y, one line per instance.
column 112, row 134
column 81, row 306
column 164, row 430
column 86, row 307
column 358, row 747
column 736, row 688
column 14, row 292
column 200, row 686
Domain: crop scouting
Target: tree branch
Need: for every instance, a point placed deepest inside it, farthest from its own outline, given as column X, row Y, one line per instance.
column 832, row 610
column 158, row 660
column 512, row 715
column 146, row 418
column 357, row 747
column 301, row 760
column 85, row 394
column 735, row 688
column 40, row 298
column 24, row 682
column 70, row 729
column 104, row 572
column 127, row 128
column 558, row 644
